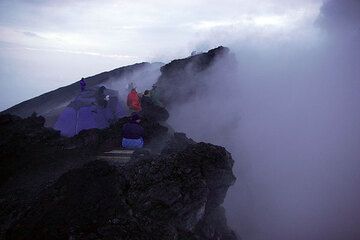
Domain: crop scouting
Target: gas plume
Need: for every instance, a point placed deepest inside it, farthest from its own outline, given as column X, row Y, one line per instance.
column 289, row 113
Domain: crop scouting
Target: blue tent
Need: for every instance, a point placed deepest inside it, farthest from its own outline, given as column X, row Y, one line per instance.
column 90, row 110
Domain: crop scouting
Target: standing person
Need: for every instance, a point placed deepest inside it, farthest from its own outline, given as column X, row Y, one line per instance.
column 154, row 94
column 101, row 98
column 106, row 101
column 133, row 100
column 82, row 84
column 133, row 133
column 147, row 106
column 146, row 101
column 152, row 111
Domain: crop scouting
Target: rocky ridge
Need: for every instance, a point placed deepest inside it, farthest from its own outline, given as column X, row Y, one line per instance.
column 51, row 187
column 174, row 192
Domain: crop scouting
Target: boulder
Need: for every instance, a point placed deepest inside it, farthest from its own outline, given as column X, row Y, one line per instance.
column 167, row 196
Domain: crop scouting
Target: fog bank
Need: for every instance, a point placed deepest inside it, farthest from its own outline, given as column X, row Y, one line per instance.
column 289, row 113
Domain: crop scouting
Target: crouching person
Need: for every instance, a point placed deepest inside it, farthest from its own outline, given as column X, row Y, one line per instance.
column 133, row 133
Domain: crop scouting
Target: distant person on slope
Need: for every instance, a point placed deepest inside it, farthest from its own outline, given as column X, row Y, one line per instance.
column 101, row 98
column 133, row 133
column 82, row 84
column 133, row 100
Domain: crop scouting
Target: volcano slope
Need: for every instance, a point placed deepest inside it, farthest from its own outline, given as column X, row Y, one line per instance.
column 50, row 104
column 183, row 79
column 175, row 192
column 179, row 81
column 53, row 188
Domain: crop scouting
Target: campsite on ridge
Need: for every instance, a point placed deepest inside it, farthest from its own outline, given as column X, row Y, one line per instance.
column 181, row 120
column 172, row 189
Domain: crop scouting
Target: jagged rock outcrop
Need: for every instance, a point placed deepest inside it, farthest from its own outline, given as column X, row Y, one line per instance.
column 169, row 196
column 181, row 79
column 27, row 143
column 32, row 157
column 174, row 194
column 51, row 187
column 24, row 142
column 178, row 142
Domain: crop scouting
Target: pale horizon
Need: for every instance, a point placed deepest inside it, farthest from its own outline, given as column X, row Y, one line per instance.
column 47, row 44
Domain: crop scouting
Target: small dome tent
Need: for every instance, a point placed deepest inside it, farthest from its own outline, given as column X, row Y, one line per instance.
column 90, row 110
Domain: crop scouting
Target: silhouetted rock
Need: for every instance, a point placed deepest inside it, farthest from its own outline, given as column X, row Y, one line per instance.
column 179, row 142
column 51, row 187
column 25, row 142
column 181, row 79
column 160, row 197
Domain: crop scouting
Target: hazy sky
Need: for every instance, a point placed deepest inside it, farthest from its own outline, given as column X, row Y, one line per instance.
column 48, row 44
column 289, row 114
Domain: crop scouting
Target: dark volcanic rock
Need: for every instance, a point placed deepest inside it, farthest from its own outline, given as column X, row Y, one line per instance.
column 27, row 143
column 51, row 187
column 214, row 226
column 33, row 157
column 80, row 198
column 172, row 196
column 181, row 79
column 179, row 142
column 24, row 142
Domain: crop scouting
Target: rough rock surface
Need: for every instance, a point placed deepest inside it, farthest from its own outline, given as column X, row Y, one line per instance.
column 176, row 196
column 27, row 143
column 51, row 187
column 181, row 79
column 24, row 142
column 175, row 193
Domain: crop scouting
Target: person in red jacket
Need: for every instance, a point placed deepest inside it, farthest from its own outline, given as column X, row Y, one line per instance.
column 133, row 100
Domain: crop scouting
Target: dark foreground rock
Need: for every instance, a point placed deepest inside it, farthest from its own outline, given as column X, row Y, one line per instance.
column 51, row 187
column 26, row 143
column 169, row 196
column 33, row 157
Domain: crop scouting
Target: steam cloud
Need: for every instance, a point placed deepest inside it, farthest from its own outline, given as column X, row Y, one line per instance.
column 290, row 116
column 142, row 79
